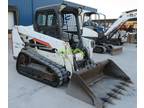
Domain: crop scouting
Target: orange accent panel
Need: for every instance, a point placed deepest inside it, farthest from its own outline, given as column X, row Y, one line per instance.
column 42, row 42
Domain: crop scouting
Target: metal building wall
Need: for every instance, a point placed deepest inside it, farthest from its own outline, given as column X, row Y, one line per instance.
column 26, row 8
column 39, row 3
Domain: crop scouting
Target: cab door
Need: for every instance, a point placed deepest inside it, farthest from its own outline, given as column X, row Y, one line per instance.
column 47, row 23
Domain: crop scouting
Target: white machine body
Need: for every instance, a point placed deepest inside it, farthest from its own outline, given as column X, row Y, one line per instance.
column 64, row 55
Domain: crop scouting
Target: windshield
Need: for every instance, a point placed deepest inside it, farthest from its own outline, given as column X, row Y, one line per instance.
column 69, row 22
column 70, row 27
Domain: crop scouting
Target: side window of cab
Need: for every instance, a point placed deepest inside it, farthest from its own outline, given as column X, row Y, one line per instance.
column 47, row 23
column 41, row 20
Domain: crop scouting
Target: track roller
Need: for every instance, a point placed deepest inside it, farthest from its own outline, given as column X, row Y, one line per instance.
column 48, row 74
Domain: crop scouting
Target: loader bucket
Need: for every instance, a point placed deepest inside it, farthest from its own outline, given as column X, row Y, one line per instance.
column 116, row 50
column 99, row 85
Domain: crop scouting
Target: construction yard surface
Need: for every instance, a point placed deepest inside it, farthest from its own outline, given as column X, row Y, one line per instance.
column 27, row 93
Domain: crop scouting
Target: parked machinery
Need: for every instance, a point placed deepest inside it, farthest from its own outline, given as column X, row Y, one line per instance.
column 54, row 52
column 105, row 38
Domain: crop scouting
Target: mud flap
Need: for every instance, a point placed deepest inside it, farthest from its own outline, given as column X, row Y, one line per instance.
column 99, row 84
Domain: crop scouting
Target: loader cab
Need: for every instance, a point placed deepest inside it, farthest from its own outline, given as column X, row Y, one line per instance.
column 70, row 26
column 59, row 21
column 92, row 20
column 46, row 22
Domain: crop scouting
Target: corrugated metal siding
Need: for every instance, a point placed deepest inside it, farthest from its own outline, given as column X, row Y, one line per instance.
column 24, row 11
column 12, row 2
column 26, row 8
column 40, row 3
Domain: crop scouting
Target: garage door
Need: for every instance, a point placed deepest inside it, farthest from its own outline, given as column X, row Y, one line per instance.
column 10, row 20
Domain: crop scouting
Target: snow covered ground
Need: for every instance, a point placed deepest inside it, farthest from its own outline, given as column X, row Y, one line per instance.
column 28, row 93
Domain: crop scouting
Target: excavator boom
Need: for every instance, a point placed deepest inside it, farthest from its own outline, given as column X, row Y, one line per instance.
column 129, row 15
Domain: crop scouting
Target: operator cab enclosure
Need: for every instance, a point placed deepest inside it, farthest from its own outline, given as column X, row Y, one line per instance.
column 59, row 21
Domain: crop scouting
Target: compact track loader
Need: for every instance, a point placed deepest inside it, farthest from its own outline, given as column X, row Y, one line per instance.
column 54, row 53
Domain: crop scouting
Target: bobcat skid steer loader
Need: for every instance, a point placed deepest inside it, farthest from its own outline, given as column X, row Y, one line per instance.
column 54, row 53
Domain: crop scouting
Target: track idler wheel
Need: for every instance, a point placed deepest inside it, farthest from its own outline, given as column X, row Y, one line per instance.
column 22, row 59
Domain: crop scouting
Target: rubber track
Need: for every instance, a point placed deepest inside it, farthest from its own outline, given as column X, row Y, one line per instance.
column 60, row 70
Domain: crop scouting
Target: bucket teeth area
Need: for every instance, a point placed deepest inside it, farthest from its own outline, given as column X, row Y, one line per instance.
column 104, row 84
column 125, row 84
column 120, row 87
column 109, row 89
column 117, row 91
column 113, row 95
column 107, row 100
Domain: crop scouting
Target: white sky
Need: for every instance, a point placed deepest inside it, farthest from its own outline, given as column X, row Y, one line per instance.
column 111, row 8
